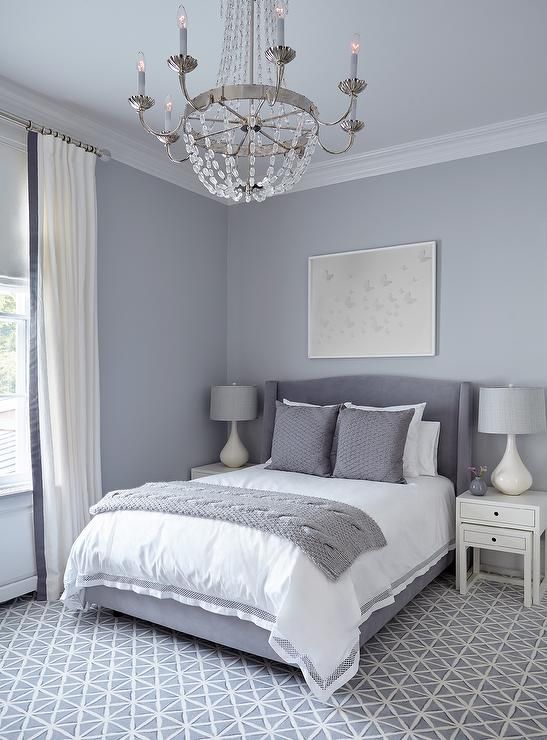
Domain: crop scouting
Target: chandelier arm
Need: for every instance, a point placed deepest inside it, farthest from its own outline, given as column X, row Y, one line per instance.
column 150, row 130
column 212, row 134
column 211, row 120
column 286, row 128
column 281, row 115
column 232, row 111
column 279, row 81
column 174, row 159
column 334, row 123
column 314, row 130
column 236, row 153
column 260, row 107
column 184, row 90
column 342, row 151
column 279, row 143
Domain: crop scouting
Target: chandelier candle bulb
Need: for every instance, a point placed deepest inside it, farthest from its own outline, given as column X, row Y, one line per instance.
column 168, row 109
column 281, row 12
column 355, row 48
column 141, row 74
column 182, row 20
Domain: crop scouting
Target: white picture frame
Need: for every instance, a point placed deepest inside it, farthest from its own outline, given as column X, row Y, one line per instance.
column 378, row 302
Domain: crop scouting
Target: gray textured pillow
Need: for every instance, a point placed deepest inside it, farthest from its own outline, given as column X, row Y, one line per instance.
column 371, row 445
column 302, row 439
column 335, row 437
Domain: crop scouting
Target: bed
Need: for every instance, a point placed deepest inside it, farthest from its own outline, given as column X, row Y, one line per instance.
column 254, row 592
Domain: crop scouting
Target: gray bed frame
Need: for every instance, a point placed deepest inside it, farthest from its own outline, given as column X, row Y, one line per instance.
column 449, row 402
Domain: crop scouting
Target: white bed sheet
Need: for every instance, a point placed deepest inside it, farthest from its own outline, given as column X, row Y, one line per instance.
column 231, row 569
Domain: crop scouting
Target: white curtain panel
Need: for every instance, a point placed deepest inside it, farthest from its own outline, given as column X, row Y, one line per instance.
column 68, row 372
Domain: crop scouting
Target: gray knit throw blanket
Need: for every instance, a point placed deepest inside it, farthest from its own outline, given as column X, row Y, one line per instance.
column 330, row 533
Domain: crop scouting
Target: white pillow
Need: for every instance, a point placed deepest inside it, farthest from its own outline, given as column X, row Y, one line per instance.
column 411, row 468
column 428, row 445
column 314, row 405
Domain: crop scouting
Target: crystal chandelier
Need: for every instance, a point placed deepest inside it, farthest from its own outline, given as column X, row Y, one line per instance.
column 250, row 137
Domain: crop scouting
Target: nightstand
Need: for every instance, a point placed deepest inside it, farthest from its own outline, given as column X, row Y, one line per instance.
column 202, row 471
column 502, row 523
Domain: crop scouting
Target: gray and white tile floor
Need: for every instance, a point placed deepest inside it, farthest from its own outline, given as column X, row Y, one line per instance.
column 447, row 667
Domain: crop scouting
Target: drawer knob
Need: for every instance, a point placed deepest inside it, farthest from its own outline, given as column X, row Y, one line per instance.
column 493, row 539
column 496, row 513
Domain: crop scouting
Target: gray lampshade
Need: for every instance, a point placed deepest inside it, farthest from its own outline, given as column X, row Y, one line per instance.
column 511, row 410
column 233, row 402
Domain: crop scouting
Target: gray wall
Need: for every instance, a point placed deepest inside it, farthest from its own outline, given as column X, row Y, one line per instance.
column 162, row 296
column 162, row 325
column 489, row 216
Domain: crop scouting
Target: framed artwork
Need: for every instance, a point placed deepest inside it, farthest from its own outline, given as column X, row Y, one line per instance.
column 373, row 302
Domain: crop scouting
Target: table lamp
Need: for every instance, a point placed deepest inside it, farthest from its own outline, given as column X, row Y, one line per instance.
column 511, row 411
column 233, row 403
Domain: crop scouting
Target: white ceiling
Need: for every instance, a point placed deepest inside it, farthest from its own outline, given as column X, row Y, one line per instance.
column 433, row 66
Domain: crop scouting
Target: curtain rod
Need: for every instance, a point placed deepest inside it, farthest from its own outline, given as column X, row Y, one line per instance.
column 46, row 131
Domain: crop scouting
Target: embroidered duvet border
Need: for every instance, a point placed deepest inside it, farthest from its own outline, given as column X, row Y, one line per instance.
column 341, row 673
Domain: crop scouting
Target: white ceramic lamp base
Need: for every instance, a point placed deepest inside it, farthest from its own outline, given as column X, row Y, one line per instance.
column 234, row 453
column 511, row 476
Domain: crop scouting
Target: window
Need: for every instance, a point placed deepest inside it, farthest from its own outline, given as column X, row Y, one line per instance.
column 14, row 427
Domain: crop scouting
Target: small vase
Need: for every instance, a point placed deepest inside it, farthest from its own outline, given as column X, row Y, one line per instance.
column 478, row 487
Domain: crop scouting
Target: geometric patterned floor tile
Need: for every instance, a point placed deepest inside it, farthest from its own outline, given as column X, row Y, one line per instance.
column 448, row 667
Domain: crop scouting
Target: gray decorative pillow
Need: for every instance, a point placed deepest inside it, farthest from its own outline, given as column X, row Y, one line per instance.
column 371, row 445
column 302, row 439
column 335, row 437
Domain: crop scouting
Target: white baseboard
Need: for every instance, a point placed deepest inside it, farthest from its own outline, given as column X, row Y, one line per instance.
column 18, row 588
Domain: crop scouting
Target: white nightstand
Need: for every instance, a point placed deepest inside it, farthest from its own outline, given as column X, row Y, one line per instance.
column 203, row 471
column 506, row 524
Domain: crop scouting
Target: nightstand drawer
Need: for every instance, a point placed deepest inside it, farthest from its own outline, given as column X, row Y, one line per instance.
column 500, row 515
column 493, row 538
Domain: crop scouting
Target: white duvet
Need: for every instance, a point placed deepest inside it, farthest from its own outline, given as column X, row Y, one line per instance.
column 235, row 570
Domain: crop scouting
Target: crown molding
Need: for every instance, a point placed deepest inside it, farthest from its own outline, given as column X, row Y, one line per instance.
column 12, row 136
column 13, row 142
column 421, row 153
column 71, row 120
column 473, row 142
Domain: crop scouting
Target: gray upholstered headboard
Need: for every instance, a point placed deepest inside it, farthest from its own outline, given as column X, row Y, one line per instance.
column 449, row 402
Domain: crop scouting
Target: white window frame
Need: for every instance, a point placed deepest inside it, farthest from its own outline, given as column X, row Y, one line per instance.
column 21, row 480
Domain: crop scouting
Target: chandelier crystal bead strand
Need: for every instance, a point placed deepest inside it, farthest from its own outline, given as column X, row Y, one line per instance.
column 250, row 137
